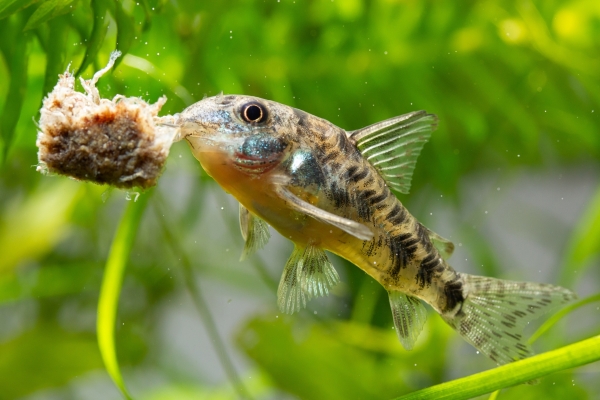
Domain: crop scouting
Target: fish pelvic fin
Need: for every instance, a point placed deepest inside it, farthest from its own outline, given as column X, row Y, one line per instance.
column 255, row 232
column 495, row 313
column 409, row 317
column 308, row 273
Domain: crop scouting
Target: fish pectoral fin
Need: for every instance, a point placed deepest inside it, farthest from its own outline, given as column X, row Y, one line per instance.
column 443, row 245
column 353, row 228
column 308, row 273
column 255, row 232
column 393, row 146
column 409, row 317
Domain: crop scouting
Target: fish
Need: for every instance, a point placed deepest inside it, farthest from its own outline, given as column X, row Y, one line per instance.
column 328, row 189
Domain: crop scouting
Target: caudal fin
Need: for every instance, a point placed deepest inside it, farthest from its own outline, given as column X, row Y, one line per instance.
column 495, row 313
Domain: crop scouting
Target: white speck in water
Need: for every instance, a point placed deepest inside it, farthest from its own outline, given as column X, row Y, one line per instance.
column 430, row 213
column 385, row 52
column 315, row 312
column 277, row 316
column 477, row 351
column 415, row 365
column 460, row 245
column 486, row 212
column 498, row 189
column 518, row 155
column 132, row 196
column 222, row 208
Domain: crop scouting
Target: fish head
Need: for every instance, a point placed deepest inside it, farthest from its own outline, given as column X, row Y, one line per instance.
column 235, row 134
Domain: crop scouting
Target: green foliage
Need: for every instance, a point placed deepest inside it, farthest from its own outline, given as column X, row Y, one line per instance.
column 111, row 288
column 522, row 371
column 516, row 89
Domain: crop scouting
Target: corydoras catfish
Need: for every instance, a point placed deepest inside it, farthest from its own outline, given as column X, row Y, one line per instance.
column 325, row 188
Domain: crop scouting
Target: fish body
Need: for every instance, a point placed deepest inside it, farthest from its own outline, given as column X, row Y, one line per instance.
column 325, row 188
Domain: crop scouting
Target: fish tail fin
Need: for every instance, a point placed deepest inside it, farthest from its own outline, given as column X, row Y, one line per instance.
column 495, row 312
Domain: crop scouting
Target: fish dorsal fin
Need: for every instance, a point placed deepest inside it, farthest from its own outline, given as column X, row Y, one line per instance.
column 308, row 273
column 443, row 245
column 349, row 226
column 409, row 317
column 255, row 232
column 394, row 145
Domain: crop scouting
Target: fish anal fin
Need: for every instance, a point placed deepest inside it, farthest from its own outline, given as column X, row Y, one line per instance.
column 409, row 316
column 308, row 273
column 349, row 226
column 444, row 246
column 394, row 145
column 495, row 313
column 255, row 232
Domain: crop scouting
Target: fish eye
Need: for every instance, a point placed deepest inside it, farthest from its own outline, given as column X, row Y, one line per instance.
column 254, row 113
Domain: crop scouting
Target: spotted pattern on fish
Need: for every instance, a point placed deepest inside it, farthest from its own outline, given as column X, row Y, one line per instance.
column 332, row 190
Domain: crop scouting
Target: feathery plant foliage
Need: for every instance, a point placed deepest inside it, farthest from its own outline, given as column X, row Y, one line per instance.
column 512, row 166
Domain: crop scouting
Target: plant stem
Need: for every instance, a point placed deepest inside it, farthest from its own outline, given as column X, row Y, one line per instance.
column 571, row 356
column 201, row 305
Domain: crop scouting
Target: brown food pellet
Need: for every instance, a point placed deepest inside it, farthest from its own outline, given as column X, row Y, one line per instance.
column 120, row 142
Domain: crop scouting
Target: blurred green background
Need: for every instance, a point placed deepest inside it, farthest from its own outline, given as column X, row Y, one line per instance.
column 511, row 176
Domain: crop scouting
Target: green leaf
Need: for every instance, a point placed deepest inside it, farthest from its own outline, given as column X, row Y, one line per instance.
column 29, row 229
column 341, row 360
column 46, row 11
column 94, row 42
column 9, row 7
column 44, row 357
column 125, row 30
column 17, row 59
column 56, row 53
column 584, row 244
column 571, row 356
column 111, row 287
